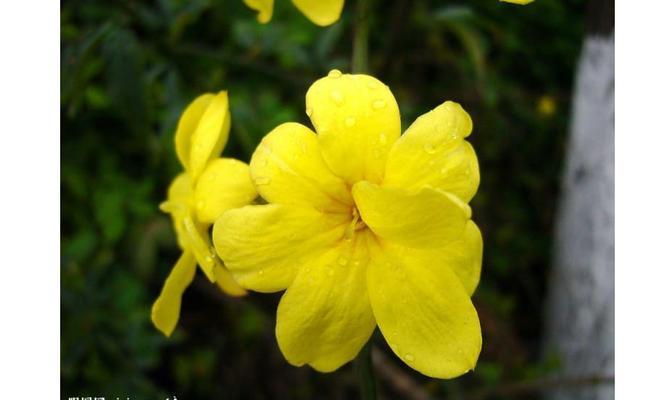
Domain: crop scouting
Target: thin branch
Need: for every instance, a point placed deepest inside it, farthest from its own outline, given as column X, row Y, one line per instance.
column 539, row 385
column 401, row 382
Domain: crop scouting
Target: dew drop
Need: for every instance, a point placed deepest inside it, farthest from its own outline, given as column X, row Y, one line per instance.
column 342, row 261
column 378, row 104
column 262, row 180
column 334, row 73
column 383, row 139
column 372, row 85
column 261, row 272
column 429, row 148
column 350, row 121
column 440, row 129
column 210, row 259
column 337, row 97
column 409, row 357
column 356, row 263
column 264, row 162
column 309, row 111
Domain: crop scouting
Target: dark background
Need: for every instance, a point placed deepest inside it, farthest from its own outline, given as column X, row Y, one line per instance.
column 128, row 70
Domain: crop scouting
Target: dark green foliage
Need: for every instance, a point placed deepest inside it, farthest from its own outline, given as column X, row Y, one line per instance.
column 129, row 68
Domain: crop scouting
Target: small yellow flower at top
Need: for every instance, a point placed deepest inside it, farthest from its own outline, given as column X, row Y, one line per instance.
column 546, row 105
column 364, row 227
column 320, row 12
column 522, row 2
column 209, row 186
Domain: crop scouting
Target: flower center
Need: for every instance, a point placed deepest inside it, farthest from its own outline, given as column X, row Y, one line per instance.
column 355, row 225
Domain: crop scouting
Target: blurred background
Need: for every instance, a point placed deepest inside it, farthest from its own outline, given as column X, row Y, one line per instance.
column 130, row 67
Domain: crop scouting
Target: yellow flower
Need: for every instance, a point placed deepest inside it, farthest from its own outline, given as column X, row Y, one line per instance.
column 320, row 12
column 546, row 105
column 364, row 227
column 522, row 2
column 209, row 186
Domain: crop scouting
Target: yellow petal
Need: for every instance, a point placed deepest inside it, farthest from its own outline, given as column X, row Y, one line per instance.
column 211, row 134
column 167, row 307
column 425, row 218
column 320, row 12
column 187, row 125
column 226, row 283
column 325, row 317
column 287, row 168
column 265, row 245
column 264, row 9
column 178, row 203
column 463, row 256
column 357, row 120
column 224, row 184
column 522, row 2
column 426, row 316
column 197, row 242
column 432, row 152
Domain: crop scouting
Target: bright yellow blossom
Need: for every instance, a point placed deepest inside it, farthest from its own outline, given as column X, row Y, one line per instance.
column 209, row 186
column 364, row 227
column 320, row 12
column 522, row 2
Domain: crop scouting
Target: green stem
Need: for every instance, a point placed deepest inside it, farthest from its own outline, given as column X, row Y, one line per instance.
column 365, row 372
column 360, row 44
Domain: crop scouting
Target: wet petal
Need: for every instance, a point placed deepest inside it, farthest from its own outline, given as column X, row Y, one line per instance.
column 287, row 168
column 426, row 316
column 425, row 218
column 211, row 134
column 224, row 184
column 264, row 246
column 167, row 308
column 432, row 152
column 179, row 199
column 357, row 120
column 187, row 125
column 325, row 317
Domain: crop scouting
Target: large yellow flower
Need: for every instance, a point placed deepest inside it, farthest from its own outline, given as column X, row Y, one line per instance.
column 209, row 186
column 320, row 12
column 364, row 227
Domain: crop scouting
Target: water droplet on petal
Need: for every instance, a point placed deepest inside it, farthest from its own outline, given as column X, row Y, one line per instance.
column 262, row 180
column 334, row 73
column 342, row 261
column 383, row 139
column 309, row 111
column 409, row 357
column 356, row 263
column 440, row 129
column 261, row 272
column 429, row 148
column 337, row 97
column 350, row 121
column 378, row 104
column 264, row 162
column 372, row 85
